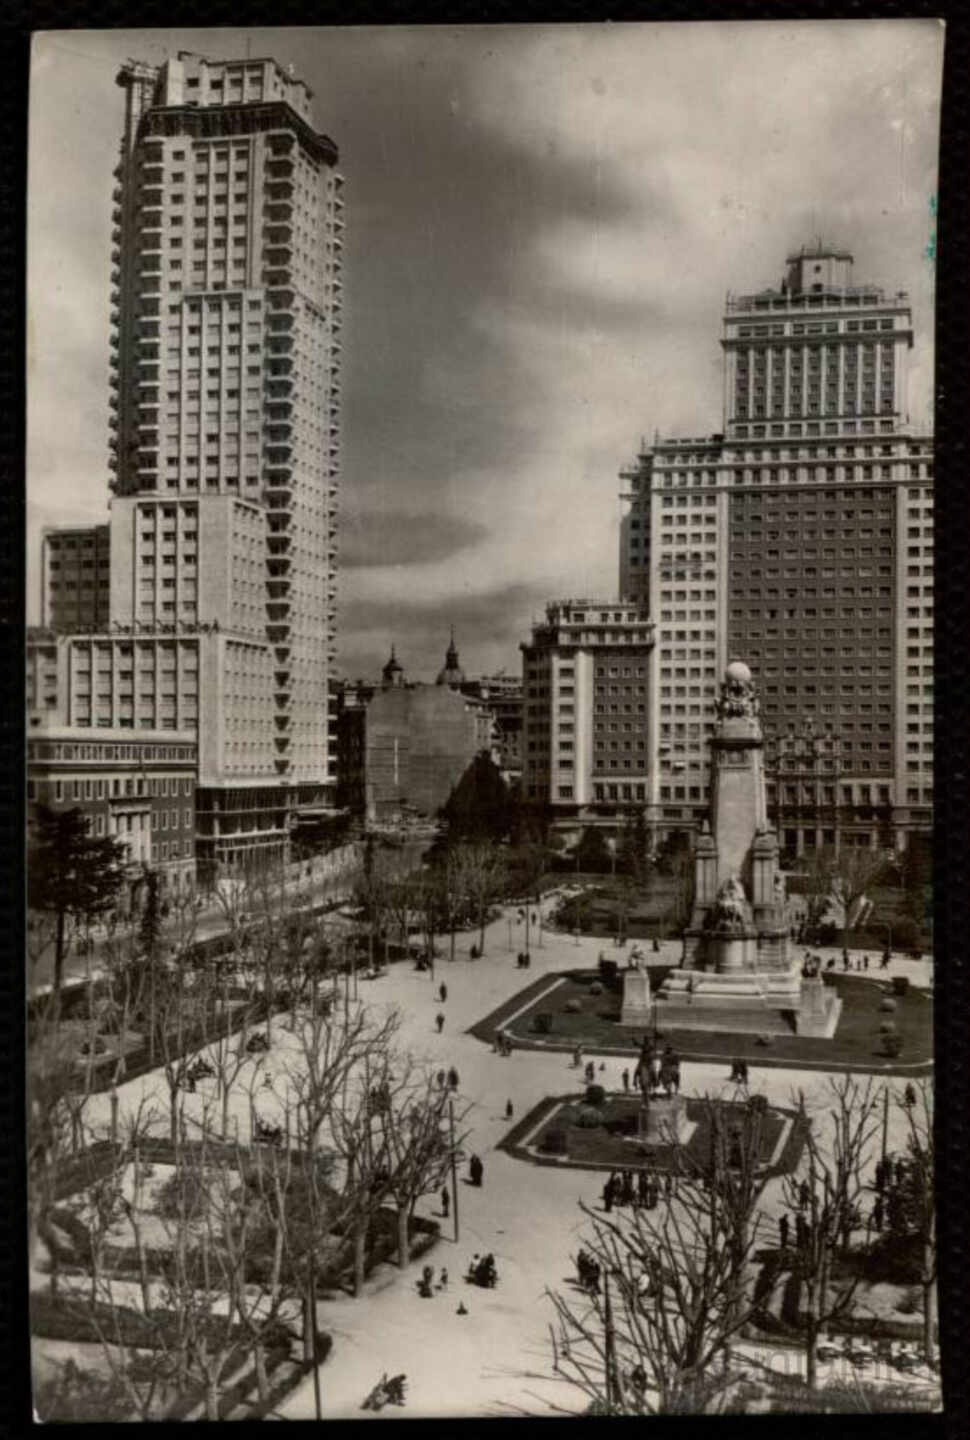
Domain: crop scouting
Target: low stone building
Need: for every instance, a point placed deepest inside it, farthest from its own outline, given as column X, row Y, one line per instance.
column 404, row 746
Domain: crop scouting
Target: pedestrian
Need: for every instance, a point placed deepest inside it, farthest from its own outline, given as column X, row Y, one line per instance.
column 877, row 1213
column 453, row 1078
column 845, row 958
column 577, row 1057
column 656, row 946
column 804, row 1195
column 443, row 992
column 642, row 1187
column 909, row 1094
column 445, row 1201
column 886, row 957
column 441, row 1079
column 608, row 1195
column 476, row 1171
column 443, row 1280
column 627, row 1191
column 508, row 1109
column 668, row 1184
column 626, row 1082
column 590, row 1072
column 865, row 962
column 783, row 1231
column 439, row 1020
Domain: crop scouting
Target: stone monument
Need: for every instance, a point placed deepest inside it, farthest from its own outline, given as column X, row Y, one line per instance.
column 637, row 1003
column 738, row 970
column 662, row 1119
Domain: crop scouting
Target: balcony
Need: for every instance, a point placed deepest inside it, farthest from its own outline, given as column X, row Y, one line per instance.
column 276, row 274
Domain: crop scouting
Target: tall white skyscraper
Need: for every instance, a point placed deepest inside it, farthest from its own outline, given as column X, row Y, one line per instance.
column 226, row 319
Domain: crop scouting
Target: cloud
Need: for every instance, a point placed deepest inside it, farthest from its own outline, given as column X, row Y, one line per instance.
column 542, row 225
column 396, row 538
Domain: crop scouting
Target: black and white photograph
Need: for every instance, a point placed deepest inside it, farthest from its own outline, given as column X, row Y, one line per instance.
column 479, row 730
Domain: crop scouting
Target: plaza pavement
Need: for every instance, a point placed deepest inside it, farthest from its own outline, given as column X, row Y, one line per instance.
column 496, row 1360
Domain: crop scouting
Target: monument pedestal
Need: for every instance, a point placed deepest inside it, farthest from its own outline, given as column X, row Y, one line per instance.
column 637, row 1001
column 663, row 1121
column 820, row 1009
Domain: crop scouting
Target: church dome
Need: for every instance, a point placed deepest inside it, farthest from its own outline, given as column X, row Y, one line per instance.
column 393, row 671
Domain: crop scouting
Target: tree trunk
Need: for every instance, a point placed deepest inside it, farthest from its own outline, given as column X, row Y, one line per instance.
column 481, row 930
column 262, row 1380
column 929, row 1297
column 360, row 1256
column 173, row 1119
column 307, row 1328
column 211, row 1400
column 58, row 967
column 403, row 1246
column 811, row 1340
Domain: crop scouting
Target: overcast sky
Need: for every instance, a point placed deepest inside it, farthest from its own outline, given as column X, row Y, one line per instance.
column 542, row 224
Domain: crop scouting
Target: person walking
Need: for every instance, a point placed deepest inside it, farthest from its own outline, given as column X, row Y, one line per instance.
column 783, row 1231
column 445, row 1201
column 508, row 1109
column 476, row 1171
column 626, row 1082
column 453, row 1078
column 439, row 1020
column 608, row 1195
column 442, row 992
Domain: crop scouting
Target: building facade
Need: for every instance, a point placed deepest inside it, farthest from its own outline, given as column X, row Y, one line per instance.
column 139, row 788
column 75, row 577
column 226, row 320
column 587, row 724
column 799, row 539
column 502, row 696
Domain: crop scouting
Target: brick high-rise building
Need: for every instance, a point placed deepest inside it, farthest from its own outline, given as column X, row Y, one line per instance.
column 75, row 577
column 798, row 539
column 226, row 323
column 587, row 729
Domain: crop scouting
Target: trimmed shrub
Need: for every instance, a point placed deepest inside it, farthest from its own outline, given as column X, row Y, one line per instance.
column 887, row 1005
column 900, row 984
column 596, row 988
column 609, row 972
column 542, row 1023
column 906, row 933
column 554, row 1143
column 892, row 1045
column 588, row 1117
column 573, row 1006
column 595, row 1095
column 887, row 1027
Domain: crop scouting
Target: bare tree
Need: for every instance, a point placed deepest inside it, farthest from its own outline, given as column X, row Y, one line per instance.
column 479, row 869
column 827, row 1198
column 842, row 877
column 920, row 1187
column 672, row 1287
column 415, row 1145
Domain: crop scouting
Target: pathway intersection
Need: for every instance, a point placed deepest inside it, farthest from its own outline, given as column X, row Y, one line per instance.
column 496, row 1359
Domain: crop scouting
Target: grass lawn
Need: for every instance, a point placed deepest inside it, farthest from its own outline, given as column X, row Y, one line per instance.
column 612, row 1146
column 596, row 1026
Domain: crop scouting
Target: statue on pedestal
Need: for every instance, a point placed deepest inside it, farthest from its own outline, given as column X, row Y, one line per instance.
column 730, row 910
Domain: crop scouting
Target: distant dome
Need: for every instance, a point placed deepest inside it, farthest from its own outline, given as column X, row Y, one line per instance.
column 393, row 672
column 737, row 670
column 451, row 673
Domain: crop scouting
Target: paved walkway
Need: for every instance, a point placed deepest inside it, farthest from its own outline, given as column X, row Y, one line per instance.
column 496, row 1360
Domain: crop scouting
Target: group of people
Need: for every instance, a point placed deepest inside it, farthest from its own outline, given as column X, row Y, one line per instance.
column 739, row 1072
column 502, row 1043
column 482, row 1271
column 426, row 1285
column 523, row 960
column 643, row 1191
column 449, row 1078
